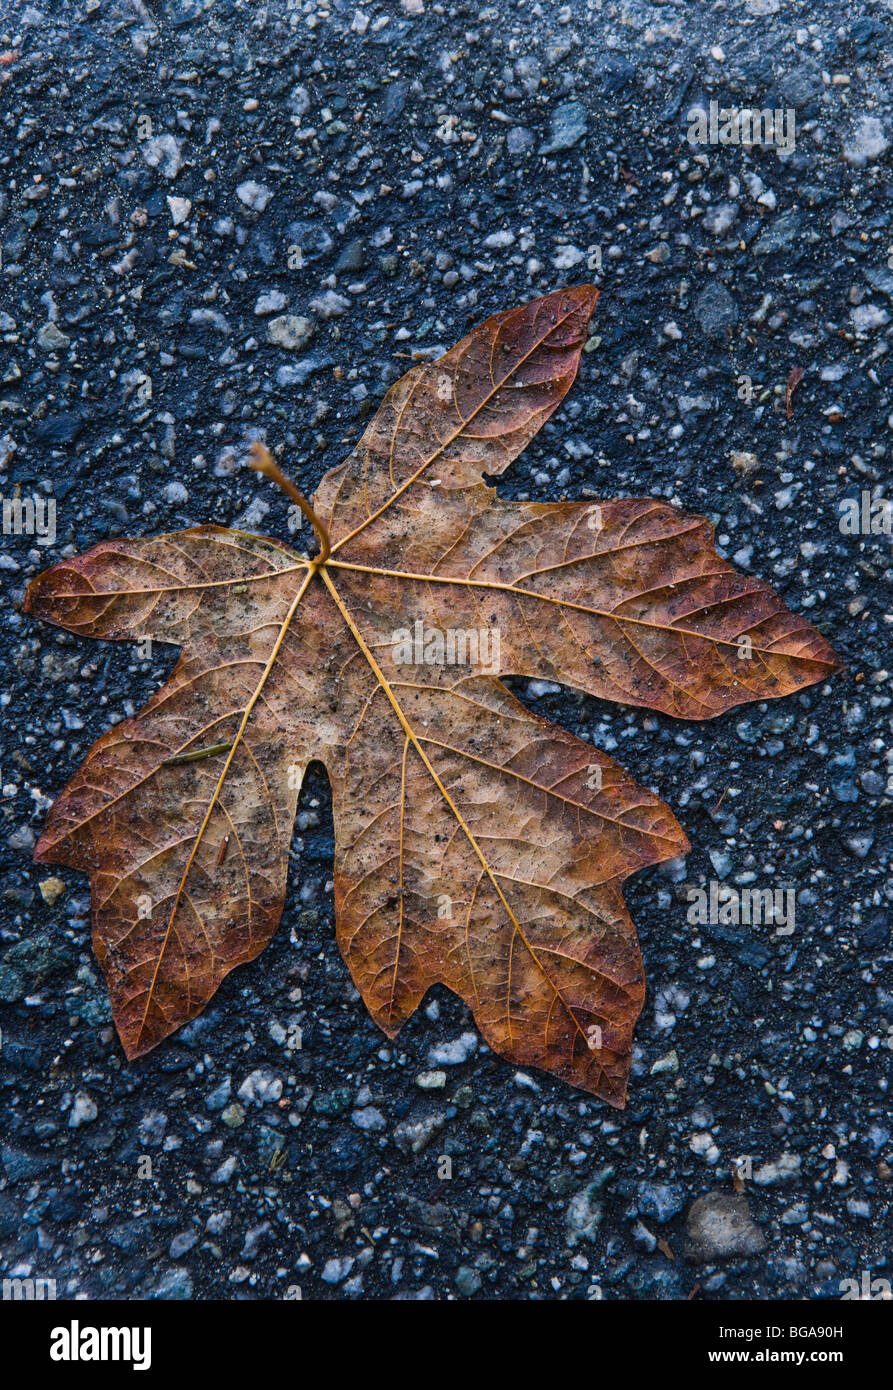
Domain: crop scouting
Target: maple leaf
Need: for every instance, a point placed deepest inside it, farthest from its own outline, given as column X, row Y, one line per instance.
column 476, row 845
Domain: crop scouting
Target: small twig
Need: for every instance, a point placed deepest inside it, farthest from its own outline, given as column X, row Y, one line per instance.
column 263, row 462
column 794, row 378
column 197, row 753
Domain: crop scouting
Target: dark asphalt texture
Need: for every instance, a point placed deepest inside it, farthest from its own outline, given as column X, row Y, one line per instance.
column 394, row 173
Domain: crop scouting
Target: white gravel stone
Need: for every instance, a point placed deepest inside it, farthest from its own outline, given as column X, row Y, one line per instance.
column 368, row 1119
column 270, row 302
column 254, row 195
column 262, row 1087
column 866, row 143
column 83, row 1111
column 163, row 152
column 567, row 258
column 180, row 209
column 329, row 305
column 453, row 1053
column 290, row 331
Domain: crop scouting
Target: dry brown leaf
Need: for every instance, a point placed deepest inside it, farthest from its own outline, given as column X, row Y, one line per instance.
column 477, row 845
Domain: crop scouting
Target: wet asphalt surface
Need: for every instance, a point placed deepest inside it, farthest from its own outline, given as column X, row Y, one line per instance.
column 181, row 184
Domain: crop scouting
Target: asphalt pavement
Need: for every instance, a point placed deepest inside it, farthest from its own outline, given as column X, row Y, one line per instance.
column 223, row 222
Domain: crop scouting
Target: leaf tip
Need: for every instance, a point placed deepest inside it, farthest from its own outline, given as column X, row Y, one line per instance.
column 587, row 297
column 133, row 1041
column 29, row 603
column 41, row 850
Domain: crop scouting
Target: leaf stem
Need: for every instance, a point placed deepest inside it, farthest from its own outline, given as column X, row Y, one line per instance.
column 262, row 461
